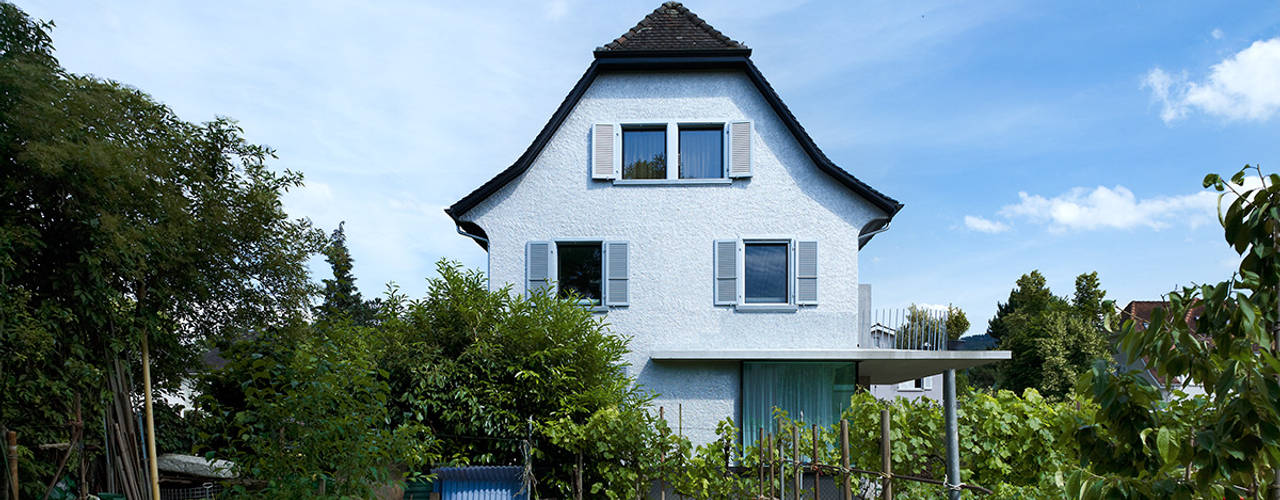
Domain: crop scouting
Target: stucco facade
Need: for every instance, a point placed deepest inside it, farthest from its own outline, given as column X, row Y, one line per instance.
column 670, row 231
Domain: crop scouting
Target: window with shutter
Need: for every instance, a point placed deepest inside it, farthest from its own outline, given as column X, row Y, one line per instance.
column 538, row 263
column 616, row 270
column 740, row 149
column 725, row 256
column 807, row 272
column 604, row 151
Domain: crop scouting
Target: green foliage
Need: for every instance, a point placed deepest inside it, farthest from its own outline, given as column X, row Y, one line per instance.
column 1225, row 444
column 314, row 410
column 1052, row 340
column 118, row 219
column 957, row 323
column 341, row 298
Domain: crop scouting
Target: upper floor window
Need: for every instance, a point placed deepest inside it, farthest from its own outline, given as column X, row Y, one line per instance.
column 765, row 271
column 671, row 152
column 579, row 265
column 644, row 152
column 765, row 274
column 594, row 271
column 701, row 152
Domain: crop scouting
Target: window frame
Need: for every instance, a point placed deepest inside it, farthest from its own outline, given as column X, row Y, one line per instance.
column 664, row 127
column 790, row 303
column 672, row 128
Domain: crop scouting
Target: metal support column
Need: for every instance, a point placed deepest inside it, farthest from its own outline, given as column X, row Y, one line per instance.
column 953, row 433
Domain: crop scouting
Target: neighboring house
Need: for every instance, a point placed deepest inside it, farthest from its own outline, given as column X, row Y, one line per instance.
column 675, row 194
column 1140, row 312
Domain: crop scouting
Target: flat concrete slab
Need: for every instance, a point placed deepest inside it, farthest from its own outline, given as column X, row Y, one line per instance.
column 879, row 366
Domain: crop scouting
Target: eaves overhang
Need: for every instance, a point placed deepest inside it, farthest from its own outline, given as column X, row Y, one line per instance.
column 730, row 59
column 879, row 366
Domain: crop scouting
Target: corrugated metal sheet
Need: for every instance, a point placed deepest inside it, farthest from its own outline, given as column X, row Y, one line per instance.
column 480, row 483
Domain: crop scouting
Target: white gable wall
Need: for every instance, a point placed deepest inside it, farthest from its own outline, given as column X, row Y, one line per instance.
column 671, row 228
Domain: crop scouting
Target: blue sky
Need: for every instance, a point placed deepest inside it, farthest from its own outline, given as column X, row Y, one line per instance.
column 1068, row 138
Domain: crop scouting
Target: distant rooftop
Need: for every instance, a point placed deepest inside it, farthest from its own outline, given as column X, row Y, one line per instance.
column 671, row 27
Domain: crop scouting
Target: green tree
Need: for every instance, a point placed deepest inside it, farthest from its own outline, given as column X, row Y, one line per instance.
column 341, row 298
column 1225, row 444
column 957, row 323
column 117, row 220
column 1052, row 341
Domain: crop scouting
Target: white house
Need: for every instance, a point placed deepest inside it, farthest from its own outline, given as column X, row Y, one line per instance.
column 679, row 197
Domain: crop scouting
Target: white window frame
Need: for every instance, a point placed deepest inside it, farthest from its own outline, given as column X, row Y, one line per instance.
column 673, row 151
column 790, row 304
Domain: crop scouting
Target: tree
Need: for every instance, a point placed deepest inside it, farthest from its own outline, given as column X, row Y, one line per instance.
column 957, row 323
column 1052, row 341
column 1225, row 444
column 341, row 297
column 118, row 220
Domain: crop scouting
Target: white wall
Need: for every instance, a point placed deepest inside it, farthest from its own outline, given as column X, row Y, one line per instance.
column 671, row 229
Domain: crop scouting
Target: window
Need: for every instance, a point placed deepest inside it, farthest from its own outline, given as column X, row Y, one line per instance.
column 819, row 391
column 701, row 151
column 579, row 268
column 647, row 152
column 644, row 152
column 765, row 272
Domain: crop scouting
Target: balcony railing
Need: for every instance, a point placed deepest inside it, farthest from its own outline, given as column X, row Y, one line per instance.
column 914, row 329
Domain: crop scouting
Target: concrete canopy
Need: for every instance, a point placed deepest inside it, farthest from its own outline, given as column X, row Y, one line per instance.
column 878, row 366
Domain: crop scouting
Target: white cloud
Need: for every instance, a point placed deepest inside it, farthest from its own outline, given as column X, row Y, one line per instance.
column 1216, row 33
column 984, row 225
column 1245, row 86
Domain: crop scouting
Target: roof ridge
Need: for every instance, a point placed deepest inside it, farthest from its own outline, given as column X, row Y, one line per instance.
column 659, row 30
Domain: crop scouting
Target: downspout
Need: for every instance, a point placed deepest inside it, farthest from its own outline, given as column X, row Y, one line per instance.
column 476, row 237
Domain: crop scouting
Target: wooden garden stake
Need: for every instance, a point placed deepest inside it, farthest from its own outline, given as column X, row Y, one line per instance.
column 844, row 459
column 795, row 460
column 886, row 456
column 760, row 462
column 772, row 477
column 13, row 464
column 817, row 475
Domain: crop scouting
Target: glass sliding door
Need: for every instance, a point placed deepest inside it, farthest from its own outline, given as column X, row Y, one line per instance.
column 818, row 391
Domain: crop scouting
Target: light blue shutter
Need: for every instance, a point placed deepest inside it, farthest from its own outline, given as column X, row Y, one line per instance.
column 725, row 257
column 740, row 149
column 807, row 272
column 616, row 273
column 604, row 151
column 928, row 383
column 538, row 266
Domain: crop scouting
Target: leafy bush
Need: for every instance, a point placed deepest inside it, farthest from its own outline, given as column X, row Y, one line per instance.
column 308, row 410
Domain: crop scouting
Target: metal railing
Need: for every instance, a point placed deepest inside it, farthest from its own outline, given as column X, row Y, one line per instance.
column 917, row 329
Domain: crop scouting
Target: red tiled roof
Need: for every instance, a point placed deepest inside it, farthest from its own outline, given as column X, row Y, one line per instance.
column 671, row 27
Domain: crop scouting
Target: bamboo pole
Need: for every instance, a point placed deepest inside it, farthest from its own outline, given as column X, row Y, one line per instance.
column 13, row 464
column 151, row 423
column 844, row 459
column 886, row 456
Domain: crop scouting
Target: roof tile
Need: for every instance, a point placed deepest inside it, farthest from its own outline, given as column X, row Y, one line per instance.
column 671, row 27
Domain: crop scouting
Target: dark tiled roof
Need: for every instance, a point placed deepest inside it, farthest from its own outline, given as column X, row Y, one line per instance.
column 671, row 27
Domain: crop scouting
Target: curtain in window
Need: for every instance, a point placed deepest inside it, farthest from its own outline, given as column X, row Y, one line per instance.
column 701, row 154
column 819, row 391
column 644, row 154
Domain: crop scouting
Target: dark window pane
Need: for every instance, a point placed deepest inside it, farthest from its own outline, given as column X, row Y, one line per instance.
column 701, row 153
column 644, row 154
column 579, row 270
column 766, row 273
